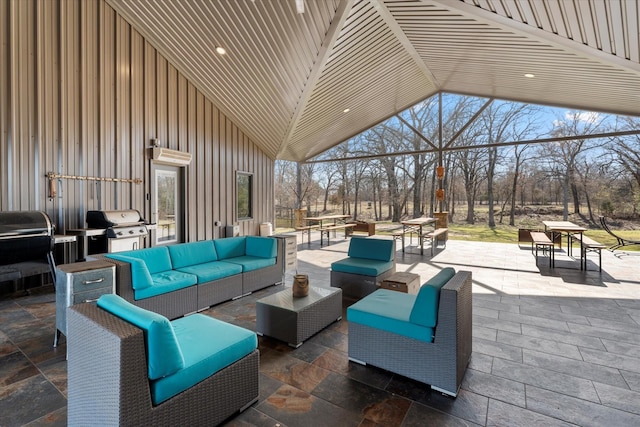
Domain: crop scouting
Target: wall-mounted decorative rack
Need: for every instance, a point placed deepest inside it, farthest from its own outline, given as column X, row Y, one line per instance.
column 52, row 176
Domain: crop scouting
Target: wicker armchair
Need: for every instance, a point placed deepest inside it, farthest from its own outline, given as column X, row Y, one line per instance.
column 369, row 262
column 108, row 382
column 443, row 362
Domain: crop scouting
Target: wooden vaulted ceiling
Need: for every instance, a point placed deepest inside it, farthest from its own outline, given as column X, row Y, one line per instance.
column 287, row 77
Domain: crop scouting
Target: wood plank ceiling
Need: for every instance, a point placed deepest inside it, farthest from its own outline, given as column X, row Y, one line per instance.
column 287, row 77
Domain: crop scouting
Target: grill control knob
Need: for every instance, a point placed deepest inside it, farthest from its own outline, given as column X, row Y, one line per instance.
column 119, row 233
column 130, row 231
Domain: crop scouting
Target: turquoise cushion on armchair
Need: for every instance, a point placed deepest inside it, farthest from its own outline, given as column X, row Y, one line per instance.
column 157, row 259
column 163, row 352
column 425, row 309
column 263, row 247
column 140, row 276
column 230, row 247
column 192, row 253
column 368, row 248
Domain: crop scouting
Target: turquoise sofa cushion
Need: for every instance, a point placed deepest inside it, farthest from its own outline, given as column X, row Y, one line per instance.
column 425, row 310
column 364, row 266
column 140, row 276
column 157, row 259
column 208, row 345
column 250, row 263
column 164, row 356
column 166, row 281
column 368, row 248
column 212, row 270
column 389, row 311
column 230, row 247
column 263, row 247
column 186, row 254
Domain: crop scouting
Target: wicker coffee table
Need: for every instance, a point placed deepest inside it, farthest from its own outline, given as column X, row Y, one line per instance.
column 293, row 320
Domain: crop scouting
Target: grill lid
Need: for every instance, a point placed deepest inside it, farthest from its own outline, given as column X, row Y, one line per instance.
column 106, row 219
column 25, row 236
column 15, row 224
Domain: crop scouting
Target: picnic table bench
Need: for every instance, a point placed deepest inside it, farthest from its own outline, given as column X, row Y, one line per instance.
column 540, row 239
column 587, row 244
column 333, row 227
column 433, row 237
column 307, row 229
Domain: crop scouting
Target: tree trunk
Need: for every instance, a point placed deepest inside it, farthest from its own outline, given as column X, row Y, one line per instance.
column 470, row 208
column 565, row 197
column 576, row 197
column 514, row 188
column 355, row 197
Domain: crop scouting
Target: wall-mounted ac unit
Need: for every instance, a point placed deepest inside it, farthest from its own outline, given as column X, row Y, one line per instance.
column 171, row 157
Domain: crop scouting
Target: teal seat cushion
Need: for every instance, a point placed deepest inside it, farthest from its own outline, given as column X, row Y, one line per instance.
column 363, row 266
column 376, row 249
column 167, row 281
column 230, row 247
column 425, row 310
column 250, row 263
column 208, row 345
column 263, row 247
column 212, row 270
column 193, row 253
column 164, row 356
column 157, row 259
column 140, row 276
column 389, row 311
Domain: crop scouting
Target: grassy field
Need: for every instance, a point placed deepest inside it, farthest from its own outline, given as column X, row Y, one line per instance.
column 502, row 233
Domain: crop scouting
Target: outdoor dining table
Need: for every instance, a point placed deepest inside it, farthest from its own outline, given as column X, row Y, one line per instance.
column 416, row 225
column 571, row 230
column 324, row 221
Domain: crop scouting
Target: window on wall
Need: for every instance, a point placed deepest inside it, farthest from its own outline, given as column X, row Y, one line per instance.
column 244, row 195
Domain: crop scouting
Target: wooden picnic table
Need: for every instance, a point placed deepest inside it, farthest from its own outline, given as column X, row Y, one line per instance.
column 572, row 231
column 328, row 223
column 416, row 225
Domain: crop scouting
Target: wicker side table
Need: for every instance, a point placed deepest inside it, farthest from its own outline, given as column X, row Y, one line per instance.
column 293, row 320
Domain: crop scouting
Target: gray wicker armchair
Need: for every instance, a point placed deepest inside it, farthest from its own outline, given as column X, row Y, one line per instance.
column 108, row 382
column 443, row 362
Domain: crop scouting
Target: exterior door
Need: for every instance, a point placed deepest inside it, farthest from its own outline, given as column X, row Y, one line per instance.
column 167, row 207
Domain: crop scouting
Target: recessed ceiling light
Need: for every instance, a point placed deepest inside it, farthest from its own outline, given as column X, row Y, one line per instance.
column 221, row 50
column 529, row 75
column 346, row 110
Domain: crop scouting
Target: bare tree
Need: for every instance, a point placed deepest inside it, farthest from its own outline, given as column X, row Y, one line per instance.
column 503, row 122
column 627, row 149
column 564, row 156
column 382, row 139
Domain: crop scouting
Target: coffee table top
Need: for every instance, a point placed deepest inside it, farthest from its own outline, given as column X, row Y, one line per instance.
column 284, row 299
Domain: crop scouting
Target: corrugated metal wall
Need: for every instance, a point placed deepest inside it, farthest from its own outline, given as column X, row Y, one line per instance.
column 82, row 93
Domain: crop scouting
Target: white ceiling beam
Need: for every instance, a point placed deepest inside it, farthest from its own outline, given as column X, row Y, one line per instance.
column 402, row 38
column 543, row 36
column 323, row 56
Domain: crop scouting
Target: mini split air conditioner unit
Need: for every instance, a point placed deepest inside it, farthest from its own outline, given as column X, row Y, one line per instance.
column 171, row 157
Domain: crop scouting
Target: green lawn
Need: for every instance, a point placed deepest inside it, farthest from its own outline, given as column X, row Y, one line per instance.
column 509, row 234
column 504, row 233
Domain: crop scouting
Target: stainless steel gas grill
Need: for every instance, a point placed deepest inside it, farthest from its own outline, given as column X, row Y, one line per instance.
column 26, row 245
column 124, row 230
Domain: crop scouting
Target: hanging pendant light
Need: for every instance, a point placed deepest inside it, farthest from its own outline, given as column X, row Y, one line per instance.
column 440, row 194
column 440, row 172
column 300, row 6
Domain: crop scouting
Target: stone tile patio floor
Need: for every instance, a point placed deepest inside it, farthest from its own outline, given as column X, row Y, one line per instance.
column 550, row 347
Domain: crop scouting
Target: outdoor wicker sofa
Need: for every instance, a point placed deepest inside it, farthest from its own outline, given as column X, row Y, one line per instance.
column 188, row 258
column 109, row 378
column 389, row 329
